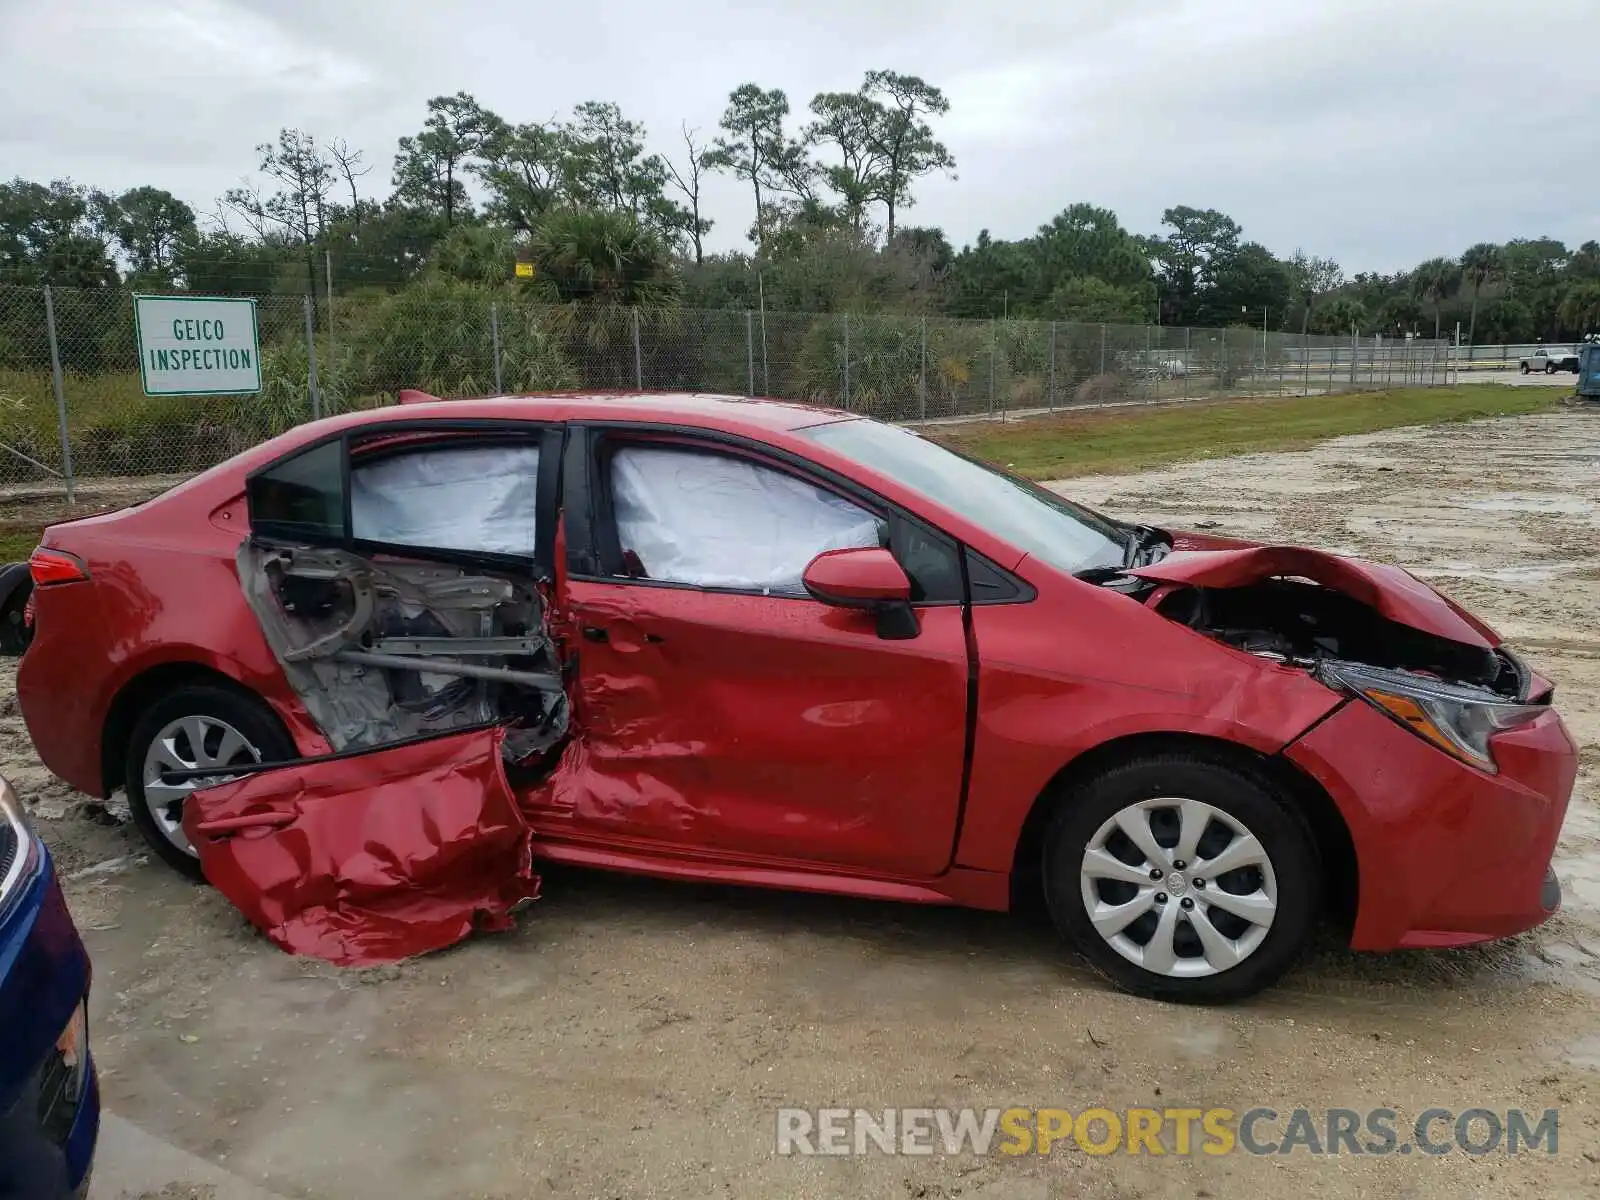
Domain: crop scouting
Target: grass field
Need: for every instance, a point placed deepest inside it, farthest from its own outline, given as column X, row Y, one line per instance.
column 1115, row 440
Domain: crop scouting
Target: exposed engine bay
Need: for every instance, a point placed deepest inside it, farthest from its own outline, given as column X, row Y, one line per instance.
column 1317, row 611
column 1302, row 624
column 384, row 650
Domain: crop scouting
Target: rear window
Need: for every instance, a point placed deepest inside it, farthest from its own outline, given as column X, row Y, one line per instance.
column 303, row 496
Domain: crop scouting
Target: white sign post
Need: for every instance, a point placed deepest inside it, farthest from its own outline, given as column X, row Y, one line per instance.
column 197, row 345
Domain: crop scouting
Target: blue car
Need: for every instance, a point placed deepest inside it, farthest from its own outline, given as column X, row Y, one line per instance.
column 49, row 1097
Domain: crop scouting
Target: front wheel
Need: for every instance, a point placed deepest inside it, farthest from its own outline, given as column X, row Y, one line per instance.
column 1549, row 368
column 1182, row 879
column 202, row 725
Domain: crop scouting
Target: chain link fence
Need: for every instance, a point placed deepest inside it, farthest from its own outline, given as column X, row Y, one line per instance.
column 72, row 403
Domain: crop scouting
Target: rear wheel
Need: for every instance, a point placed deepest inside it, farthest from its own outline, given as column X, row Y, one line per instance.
column 1526, row 368
column 201, row 725
column 1182, row 879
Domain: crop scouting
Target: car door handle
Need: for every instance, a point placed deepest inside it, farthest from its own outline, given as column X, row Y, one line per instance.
column 593, row 633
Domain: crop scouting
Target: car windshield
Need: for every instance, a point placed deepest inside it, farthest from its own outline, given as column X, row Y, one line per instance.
column 1031, row 518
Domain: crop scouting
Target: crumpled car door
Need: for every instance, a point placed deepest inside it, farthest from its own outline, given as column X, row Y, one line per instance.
column 371, row 856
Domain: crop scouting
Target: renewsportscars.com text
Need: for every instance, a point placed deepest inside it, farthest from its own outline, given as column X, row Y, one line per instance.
column 1163, row 1131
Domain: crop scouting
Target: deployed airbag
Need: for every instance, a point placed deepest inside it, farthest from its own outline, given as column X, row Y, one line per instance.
column 466, row 498
column 714, row 520
column 371, row 857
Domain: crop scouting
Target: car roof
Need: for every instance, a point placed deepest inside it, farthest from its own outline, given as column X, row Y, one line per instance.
column 756, row 418
column 708, row 410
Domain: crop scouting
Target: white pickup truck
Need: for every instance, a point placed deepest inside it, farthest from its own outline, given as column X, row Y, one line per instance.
column 1550, row 361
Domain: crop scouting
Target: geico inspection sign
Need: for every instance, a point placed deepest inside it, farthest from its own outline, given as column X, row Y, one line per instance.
column 197, row 345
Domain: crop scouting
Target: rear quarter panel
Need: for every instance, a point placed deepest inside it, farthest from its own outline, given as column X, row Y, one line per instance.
column 163, row 590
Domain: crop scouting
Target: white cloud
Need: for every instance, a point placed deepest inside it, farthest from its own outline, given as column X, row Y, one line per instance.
column 1377, row 132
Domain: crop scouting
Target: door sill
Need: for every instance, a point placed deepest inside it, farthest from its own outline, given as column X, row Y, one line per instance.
column 959, row 886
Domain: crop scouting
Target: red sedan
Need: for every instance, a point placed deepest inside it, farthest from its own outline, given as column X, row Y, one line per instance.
column 364, row 675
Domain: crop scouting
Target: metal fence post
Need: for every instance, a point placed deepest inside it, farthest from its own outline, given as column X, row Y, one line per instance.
column 749, row 353
column 58, row 386
column 327, row 274
column 847, row 360
column 993, row 351
column 314, row 391
column 1188, row 360
column 1149, row 362
column 922, row 374
column 1102, row 349
column 1050, row 380
column 638, row 356
column 494, row 333
column 1355, row 353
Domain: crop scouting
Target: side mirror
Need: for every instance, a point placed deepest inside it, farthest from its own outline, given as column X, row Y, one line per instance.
column 869, row 579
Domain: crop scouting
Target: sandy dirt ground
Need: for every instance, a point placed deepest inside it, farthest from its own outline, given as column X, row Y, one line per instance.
column 635, row 1039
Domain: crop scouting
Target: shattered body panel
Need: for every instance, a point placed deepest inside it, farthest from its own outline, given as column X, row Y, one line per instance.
column 375, row 857
column 369, row 647
column 1394, row 592
column 770, row 728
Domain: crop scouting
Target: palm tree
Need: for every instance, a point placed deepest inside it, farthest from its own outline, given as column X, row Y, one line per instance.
column 1340, row 315
column 601, row 258
column 1436, row 281
column 1580, row 307
column 1481, row 264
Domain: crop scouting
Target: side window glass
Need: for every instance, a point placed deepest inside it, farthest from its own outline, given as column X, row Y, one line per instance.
column 472, row 498
column 301, row 497
column 713, row 520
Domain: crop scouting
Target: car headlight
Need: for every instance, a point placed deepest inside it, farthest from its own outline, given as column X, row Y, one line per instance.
column 18, row 849
column 1457, row 719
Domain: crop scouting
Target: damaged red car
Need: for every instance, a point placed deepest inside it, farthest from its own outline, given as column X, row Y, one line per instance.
column 365, row 676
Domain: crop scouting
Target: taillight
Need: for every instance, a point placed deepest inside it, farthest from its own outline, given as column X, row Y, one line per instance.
column 55, row 566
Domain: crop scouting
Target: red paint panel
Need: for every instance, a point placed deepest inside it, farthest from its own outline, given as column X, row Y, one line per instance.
column 374, row 857
column 1395, row 593
column 764, row 726
column 1082, row 666
column 1446, row 853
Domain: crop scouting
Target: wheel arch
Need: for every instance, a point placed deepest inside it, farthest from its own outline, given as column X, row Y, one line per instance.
column 1310, row 801
column 143, row 690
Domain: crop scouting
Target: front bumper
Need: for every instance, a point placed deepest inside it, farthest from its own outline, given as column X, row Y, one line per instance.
column 1446, row 854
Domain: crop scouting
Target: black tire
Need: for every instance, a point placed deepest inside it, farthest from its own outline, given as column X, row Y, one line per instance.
column 1243, row 795
column 1526, row 368
column 1549, row 368
column 246, row 713
column 16, row 585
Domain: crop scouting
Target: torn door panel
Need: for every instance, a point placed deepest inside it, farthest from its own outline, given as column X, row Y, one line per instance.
column 380, row 650
column 375, row 856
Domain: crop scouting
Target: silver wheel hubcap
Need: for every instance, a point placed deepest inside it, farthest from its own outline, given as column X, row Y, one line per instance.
column 1178, row 887
column 185, row 745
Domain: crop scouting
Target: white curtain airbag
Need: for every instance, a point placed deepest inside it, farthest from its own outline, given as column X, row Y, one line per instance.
column 716, row 521
column 466, row 498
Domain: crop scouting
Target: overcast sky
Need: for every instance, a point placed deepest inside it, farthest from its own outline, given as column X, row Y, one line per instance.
column 1380, row 132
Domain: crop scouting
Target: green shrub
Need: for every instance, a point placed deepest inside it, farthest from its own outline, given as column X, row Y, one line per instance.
column 438, row 336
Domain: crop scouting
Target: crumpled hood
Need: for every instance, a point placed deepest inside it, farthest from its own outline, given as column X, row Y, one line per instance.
column 1391, row 591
